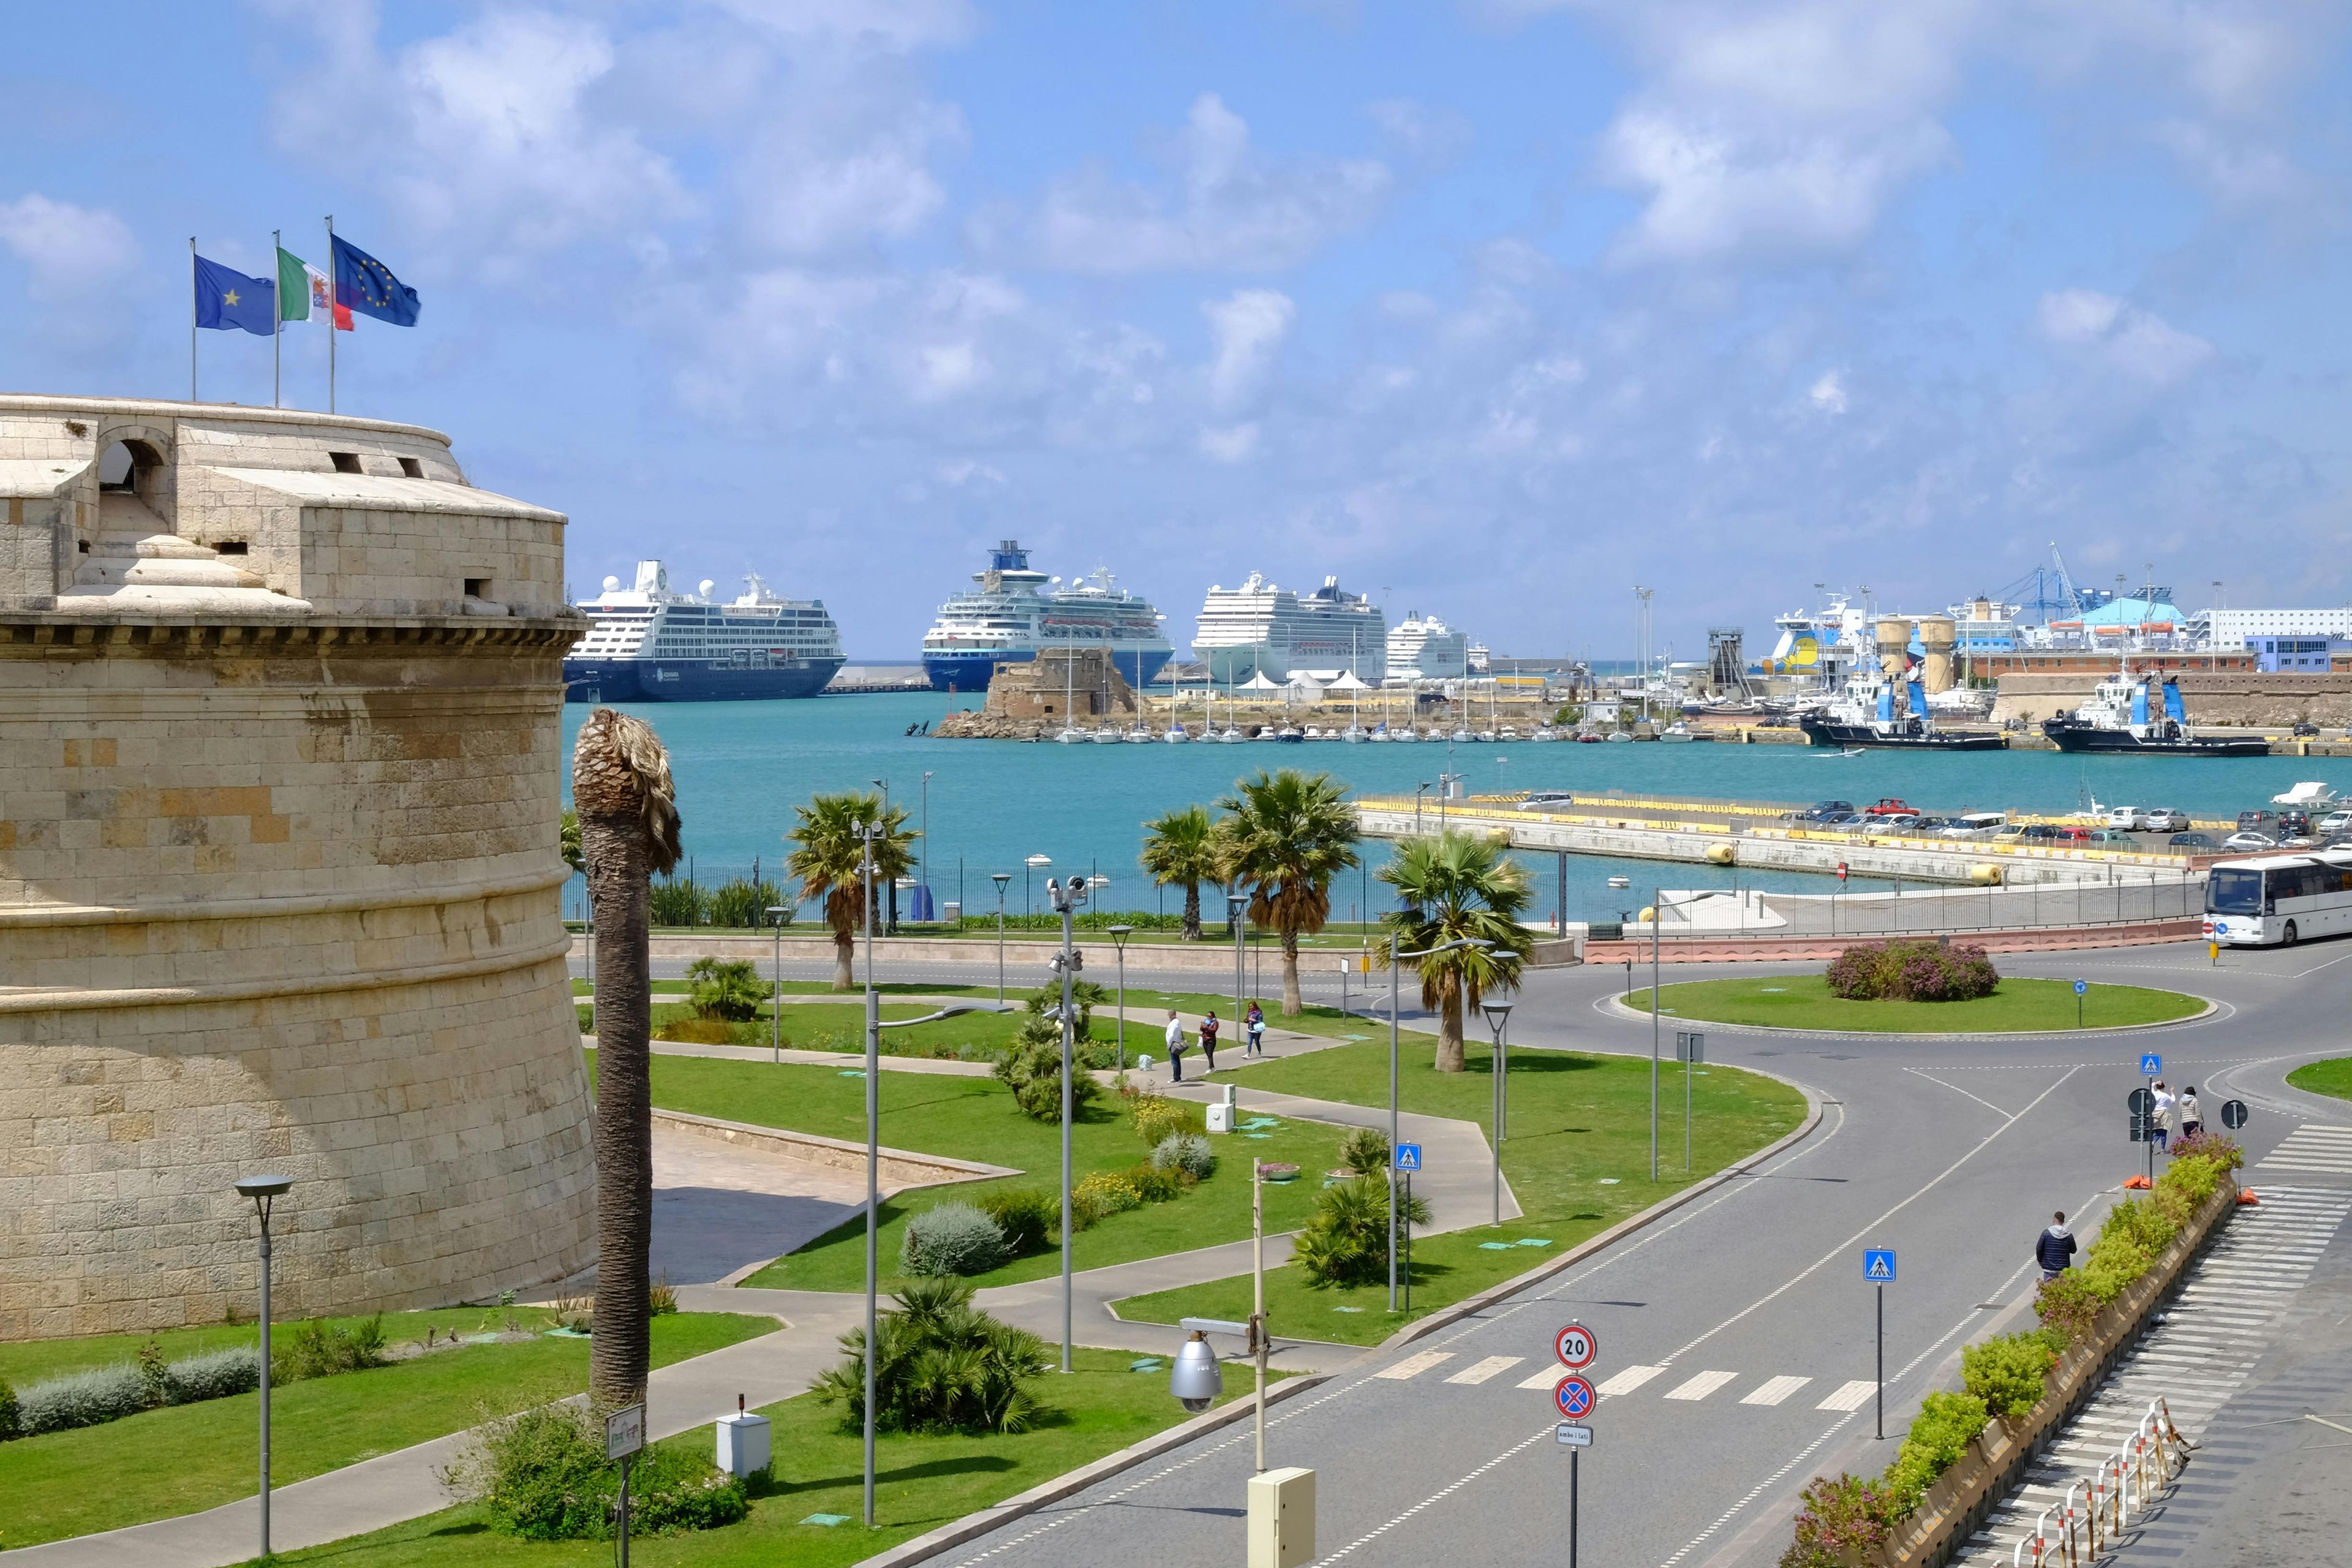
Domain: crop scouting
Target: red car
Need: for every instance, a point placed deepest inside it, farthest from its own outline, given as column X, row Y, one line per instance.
column 1890, row 806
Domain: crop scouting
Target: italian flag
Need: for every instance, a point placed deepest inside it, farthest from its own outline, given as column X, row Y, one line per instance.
column 304, row 293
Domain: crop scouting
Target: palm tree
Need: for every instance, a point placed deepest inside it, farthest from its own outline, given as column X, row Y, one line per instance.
column 1287, row 834
column 1180, row 849
column 1455, row 886
column 628, row 831
column 831, row 859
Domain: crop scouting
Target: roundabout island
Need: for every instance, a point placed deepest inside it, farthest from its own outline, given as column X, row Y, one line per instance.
column 1805, row 1002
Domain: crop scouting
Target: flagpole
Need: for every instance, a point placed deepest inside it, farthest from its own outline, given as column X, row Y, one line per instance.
column 192, row 318
column 331, row 312
column 278, row 327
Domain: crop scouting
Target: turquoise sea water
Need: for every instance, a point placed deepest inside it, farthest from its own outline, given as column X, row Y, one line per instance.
column 741, row 766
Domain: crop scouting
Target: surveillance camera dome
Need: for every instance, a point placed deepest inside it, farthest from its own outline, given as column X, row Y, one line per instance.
column 1196, row 1405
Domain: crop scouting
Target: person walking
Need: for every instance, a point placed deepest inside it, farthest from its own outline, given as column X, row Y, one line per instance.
column 2192, row 1116
column 1208, row 1038
column 1175, row 1048
column 2159, row 1122
column 2055, row 1248
column 1256, row 1021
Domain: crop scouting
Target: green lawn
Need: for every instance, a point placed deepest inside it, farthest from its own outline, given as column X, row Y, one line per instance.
column 922, row 1483
column 975, row 1119
column 1577, row 1158
column 2331, row 1076
column 191, row 1456
column 1803, row 1002
column 829, row 1027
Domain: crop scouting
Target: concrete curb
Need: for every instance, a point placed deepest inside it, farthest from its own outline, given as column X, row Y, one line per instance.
column 1619, row 1010
column 949, row 1536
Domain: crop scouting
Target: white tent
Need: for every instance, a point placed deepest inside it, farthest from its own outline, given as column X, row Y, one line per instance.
column 1258, row 682
column 1303, row 690
column 1347, row 682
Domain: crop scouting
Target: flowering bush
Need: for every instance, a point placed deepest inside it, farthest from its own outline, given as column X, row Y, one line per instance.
column 1911, row 972
column 2225, row 1152
column 1841, row 1519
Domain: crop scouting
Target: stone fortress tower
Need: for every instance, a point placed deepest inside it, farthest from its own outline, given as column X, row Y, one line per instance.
column 280, row 742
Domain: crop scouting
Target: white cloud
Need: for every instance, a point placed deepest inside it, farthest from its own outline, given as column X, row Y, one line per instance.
column 1233, row 444
column 71, row 254
column 1828, row 394
column 1248, row 330
column 2124, row 337
column 1236, row 209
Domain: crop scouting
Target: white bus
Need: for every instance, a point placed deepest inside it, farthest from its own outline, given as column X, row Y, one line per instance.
column 2279, row 900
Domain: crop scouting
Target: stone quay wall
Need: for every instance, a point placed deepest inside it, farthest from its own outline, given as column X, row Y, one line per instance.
column 279, row 886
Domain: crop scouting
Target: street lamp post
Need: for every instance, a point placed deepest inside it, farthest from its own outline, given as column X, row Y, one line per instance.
column 1118, row 935
column 1394, row 957
column 262, row 1190
column 1235, row 904
column 1498, row 1018
column 1000, row 878
column 1417, row 791
column 1066, row 900
column 777, row 915
column 923, row 864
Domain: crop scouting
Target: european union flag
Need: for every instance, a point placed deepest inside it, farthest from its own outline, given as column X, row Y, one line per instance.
column 226, row 298
column 367, row 285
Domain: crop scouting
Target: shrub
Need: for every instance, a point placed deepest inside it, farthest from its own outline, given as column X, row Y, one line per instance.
column 2142, row 1222
column 661, row 1298
column 1346, row 1241
column 1840, row 1519
column 2009, row 1372
column 1032, row 1069
column 722, row 988
column 672, row 1490
column 2194, row 1177
column 1157, row 1184
column 1366, row 1152
column 216, row 1374
column 315, row 1348
column 2223, row 1151
column 82, row 1399
column 542, row 1474
column 952, row 1238
column 1912, row 972
column 741, row 904
column 1102, row 1195
column 1939, row 1435
column 1157, row 1118
column 1186, row 1151
column 670, row 902
column 8, row 1413
column 1026, row 1215
column 940, row 1365
column 2066, row 1306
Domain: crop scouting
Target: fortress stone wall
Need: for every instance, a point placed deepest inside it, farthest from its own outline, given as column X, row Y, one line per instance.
column 279, row 753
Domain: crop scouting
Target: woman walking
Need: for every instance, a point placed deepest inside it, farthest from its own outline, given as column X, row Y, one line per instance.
column 2192, row 1118
column 1256, row 1022
column 1209, row 1028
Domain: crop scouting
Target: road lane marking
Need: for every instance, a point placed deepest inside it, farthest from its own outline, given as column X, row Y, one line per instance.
column 1627, row 1381
column 1850, row 1396
column 1546, row 1377
column 1479, row 1372
column 1955, row 1089
column 1775, row 1389
column 1414, row 1365
column 1702, row 1386
column 1542, row 1433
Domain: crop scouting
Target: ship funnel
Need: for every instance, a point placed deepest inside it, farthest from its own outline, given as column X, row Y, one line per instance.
column 652, row 577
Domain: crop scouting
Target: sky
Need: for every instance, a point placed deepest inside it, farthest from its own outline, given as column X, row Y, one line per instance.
column 1495, row 308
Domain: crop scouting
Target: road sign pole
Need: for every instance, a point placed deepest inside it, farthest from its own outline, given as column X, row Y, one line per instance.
column 2150, row 1140
column 1573, row 1456
column 1882, row 1362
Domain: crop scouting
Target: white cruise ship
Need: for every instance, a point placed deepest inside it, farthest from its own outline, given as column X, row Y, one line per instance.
column 1425, row 648
column 649, row 645
column 1260, row 628
column 1012, row 612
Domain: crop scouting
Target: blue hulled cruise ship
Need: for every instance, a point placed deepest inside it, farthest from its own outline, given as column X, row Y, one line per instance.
column 650, row 645
column 1012, row 613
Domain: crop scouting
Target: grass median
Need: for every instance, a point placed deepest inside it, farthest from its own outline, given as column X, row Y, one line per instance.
column 2019, row 1006
column 921, row 1483
column 2332, row 1077
column 186, row 1458
column 1578, row 1159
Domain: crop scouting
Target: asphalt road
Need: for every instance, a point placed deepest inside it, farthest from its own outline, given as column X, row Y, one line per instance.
column 1749, row 1303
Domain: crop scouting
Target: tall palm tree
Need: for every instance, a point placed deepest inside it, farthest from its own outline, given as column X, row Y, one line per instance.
column 1455, row 886
column 830, row 861
column 628, row 831
column 1180, row 849
column 1287, row 834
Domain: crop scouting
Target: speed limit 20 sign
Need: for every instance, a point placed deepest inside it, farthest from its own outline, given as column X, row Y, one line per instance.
column 1575, row 1347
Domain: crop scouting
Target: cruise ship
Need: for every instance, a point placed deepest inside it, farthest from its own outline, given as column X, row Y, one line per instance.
column 1013, row 612
column 1259, row 628
column 650, row 645
column 1426, row 649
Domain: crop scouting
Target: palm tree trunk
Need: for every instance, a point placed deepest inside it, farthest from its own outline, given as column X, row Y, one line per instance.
column 844, row 948
column 1449, row 1028
column 1191, row 931
column 1292, row 1003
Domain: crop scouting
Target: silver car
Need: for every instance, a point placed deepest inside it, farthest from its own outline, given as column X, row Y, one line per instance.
column 2165, row 819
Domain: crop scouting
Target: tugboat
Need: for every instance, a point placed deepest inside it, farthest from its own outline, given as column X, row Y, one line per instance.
column 1863, row 715
column 2120, row 717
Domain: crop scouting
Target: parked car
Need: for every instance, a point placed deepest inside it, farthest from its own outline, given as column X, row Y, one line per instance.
column 1823, row 810
column 2196, row 843
column 1842, row 822
column 2128, row 816
column 2110, row 836
column 2028, row 832
column 1977, row 825
column 1900, row 821
column 2249, row 840
column 2075, row 835
column 2295, row 824
column 1547, row 800
column 2166, row 819
column 1891, row 805
column 2336, row 822
column 2306, row 729
column 2259, row 822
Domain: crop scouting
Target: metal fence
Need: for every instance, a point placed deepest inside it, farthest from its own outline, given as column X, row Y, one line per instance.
column 2122, row 898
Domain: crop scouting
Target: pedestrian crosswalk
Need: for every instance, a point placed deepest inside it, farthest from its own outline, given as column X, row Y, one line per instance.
column 2315, row 1147
column 2198, row 1352
column 1701, row 1386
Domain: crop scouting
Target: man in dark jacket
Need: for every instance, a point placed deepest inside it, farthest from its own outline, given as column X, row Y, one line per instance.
column 2055, row 1248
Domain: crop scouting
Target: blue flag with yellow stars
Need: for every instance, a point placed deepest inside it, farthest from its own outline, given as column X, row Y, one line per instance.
column 364, row 285
column 226, row 298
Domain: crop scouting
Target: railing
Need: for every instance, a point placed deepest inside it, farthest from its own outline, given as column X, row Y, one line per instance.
column 2125, row 1484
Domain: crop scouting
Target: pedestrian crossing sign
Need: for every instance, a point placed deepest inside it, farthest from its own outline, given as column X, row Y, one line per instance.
column 1408, row 1156
column 1878, row 1265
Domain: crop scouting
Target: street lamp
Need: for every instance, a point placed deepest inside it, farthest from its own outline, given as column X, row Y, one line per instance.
column 923, row 866
column 1394, row 956
column 777, row 915
column 1498, row 1018
column 1417, row 792
column 1066, row 900
column 1000, row 878
column 1235, row 904
column 1118, row 935
column 1657, row 925
column 1036, row 863
column 262, row 1190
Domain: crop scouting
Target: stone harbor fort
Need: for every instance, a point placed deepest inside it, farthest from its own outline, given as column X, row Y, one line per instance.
column 279, row 758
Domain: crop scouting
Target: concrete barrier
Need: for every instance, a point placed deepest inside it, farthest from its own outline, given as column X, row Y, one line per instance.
column 1795, row 948
column 900, row 1167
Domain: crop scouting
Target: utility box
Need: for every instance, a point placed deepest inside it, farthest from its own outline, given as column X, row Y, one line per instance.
column 1282, row 1519
column 1221, row 1116
column 952, row 912
column 742, row 1443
